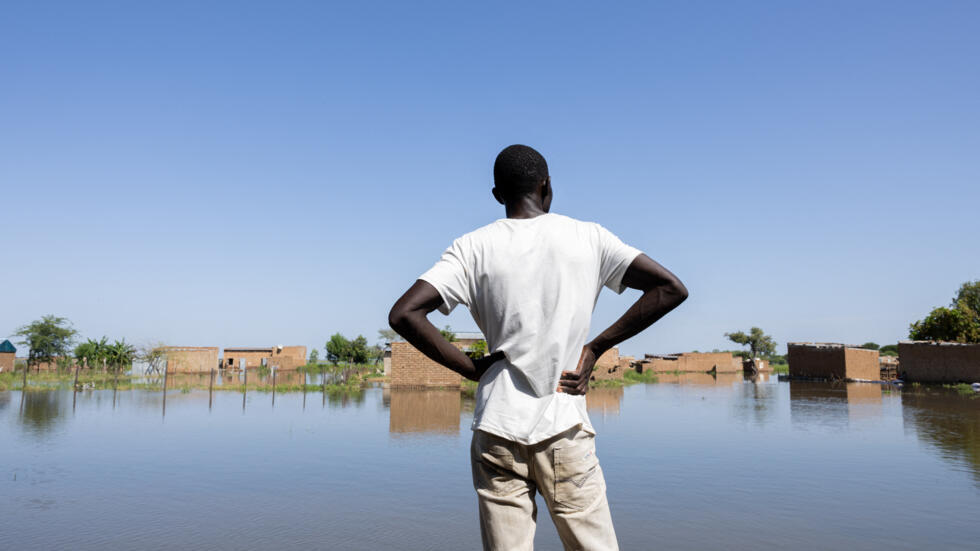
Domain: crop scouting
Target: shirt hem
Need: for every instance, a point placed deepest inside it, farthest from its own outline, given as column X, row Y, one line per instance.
column 497, row 431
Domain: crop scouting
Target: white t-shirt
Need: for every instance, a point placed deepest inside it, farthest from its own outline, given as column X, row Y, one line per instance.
column 531, row 285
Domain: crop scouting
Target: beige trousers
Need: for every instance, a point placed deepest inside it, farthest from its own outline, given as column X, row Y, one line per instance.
column 563, row 468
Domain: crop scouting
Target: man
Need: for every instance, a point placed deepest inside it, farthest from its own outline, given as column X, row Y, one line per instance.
column 531, row 281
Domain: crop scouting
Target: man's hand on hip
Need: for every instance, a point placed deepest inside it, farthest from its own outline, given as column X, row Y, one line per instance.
column 481, row 365
column 577, row 382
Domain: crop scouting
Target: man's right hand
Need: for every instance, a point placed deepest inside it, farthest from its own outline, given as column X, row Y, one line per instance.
column 481, row 365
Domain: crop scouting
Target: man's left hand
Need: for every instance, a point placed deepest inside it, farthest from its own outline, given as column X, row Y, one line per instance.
column 577, row 382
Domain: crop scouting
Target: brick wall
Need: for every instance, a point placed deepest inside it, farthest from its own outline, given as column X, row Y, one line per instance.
column 607, row 366
column 433, row 410
column 932, row 362
column 693, row 362
column 191, row 359
column 411, row 368
column 290, row 357
column 6, row 362
column 832, row 361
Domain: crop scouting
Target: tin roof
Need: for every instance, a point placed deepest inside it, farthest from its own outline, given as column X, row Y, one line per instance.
column 6, row 346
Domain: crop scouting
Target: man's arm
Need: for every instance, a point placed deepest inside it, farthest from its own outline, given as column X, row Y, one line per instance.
column 662, row 292
column 409, row 318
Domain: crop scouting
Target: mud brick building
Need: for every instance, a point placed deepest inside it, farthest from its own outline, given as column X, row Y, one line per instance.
column 411, row 368
column 7, row 355
column 429, row 411
column 691, row 362
column 604, row 401
column 833, row 361
column 939, row 362
column 608, row 366
column 283, row 357
column 191, row 359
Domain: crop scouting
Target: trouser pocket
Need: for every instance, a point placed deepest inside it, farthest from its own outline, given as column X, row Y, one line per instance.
column 578, row 478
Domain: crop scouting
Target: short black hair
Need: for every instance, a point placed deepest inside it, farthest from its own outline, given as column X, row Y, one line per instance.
column 519, row 170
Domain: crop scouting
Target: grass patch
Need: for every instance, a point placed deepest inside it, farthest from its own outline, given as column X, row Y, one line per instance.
column 962, row 389
column 632, row 377
column 780, row 368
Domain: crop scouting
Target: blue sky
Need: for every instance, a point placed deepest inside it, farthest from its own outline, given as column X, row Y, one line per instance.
column 239, row 173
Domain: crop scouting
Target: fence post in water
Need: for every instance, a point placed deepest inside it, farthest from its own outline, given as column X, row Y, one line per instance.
column 75, row 384
column 166, row 370
column 27, row 367
column 211, row 389
column 273, row 385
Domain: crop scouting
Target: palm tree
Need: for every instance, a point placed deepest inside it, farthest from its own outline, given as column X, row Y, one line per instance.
column 120, row 354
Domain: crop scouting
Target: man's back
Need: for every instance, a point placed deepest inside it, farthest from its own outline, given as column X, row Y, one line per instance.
column 531, row 285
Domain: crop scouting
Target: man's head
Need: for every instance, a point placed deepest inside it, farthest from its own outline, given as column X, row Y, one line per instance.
column 519, row 172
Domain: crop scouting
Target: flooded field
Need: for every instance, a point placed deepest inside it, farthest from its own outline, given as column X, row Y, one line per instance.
column 692, row 462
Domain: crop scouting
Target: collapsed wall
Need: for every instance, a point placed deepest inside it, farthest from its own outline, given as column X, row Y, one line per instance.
column 692, row 362
column 832, row 361
column 939, row 362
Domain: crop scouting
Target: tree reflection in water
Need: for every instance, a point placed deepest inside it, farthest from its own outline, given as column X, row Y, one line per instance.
column 42, row 410
column 946, row 421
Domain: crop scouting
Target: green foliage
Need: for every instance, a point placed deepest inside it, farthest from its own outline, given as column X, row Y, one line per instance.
column 91, row 351
column 631, row 377
column 870, row 346
column 389, row 335
column 888, row 350
column 314, row 357
column 339, row 349
column 946, row 324
column 478, row 350
column 760, row 345
column 47, row 339
column 447, row 333
column 958, row 323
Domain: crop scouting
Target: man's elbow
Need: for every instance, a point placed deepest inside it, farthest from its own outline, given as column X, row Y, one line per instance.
column 678, row 291
column 398, row 318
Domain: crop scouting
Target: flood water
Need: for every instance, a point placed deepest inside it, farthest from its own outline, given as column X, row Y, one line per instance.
column 691, row 462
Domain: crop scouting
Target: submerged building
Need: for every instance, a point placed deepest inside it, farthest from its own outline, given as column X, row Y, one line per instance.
column 191, row 359
column 939, row 362
column 413, row 369
column 691, row 362
column 282, row 357
column 7, row 356
column 832, row 361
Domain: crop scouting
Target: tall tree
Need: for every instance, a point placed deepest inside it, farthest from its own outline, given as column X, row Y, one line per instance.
column 760, row 344
column 46, row 339
column 389, row 335
column 314, row 357
column 960, row 322
column 338, row 348
column 359, row 352
column 120, row 354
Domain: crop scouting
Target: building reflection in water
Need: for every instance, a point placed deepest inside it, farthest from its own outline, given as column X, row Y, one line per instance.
column 947, row 422
column 700, row 379
column 604, row 400
column 423, row 411
column 833, row 403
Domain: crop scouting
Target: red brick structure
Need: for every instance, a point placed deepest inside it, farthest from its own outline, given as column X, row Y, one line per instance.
column 608, row 366
column 833, row 361
column 191, row 359
column 692, row 362
column 283, row 357
column 7, row 356
column 411, row 368
column 939, row 362
column 416, row 410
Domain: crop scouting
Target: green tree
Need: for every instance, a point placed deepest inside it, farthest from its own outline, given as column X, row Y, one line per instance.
column 946, row 324
column 389, row 335
column 478, row 349
column 359, row 352
column 889, row 350
column 760, row 345
column 120, row 354
column 968, row 297
column 870, row 346
column 92, row 351
column 314, row 357
column 448, row 334
column 960, row 322
column 46, row 339
column 338, row 348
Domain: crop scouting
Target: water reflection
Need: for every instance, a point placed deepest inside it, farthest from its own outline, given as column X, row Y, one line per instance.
column 41, row 411
column 833, row 404
column 948, row 422
column 604, row 400
column 700, row 379
column 424, row 411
